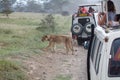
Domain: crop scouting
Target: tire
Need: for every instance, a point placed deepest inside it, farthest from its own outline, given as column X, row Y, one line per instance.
column 76, row 29
column 87, row 28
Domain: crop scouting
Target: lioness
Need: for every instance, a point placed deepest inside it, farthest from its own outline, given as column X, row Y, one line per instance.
column 57, row 39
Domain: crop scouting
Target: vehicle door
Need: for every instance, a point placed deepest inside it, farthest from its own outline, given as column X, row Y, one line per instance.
column 95, row 58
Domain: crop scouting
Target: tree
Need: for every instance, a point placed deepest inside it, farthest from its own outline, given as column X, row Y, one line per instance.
column 19, row 7
column 47, row 24
column 32, row 6
column 56, row 5
column 6, row 6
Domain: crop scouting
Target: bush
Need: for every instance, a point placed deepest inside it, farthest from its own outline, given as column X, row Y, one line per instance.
column 5, row 31
column 47, row 24
column 7, row 12
column 62, row 77
column 65, row 13
column 10, row 71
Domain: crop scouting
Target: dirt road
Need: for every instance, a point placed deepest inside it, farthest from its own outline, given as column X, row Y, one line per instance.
column 56, row 66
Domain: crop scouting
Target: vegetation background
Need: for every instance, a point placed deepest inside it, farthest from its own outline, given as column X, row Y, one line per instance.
column 20, row 35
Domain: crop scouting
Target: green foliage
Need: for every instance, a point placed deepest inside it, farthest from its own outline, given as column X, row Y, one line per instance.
column 10, row 71
column 48, row 23
column 56, row 5
column 5, row 31
column 7, row 11
column 32, row 6
column 6, row 7
column 20, row 36
column 61, row 77
column 65, row 13
column 20, row 39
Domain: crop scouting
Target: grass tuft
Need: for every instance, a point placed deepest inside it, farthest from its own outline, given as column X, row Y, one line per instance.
column 10, row 71
column 62, row 77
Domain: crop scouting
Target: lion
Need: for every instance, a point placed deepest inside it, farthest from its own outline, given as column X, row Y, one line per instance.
column 57, row 39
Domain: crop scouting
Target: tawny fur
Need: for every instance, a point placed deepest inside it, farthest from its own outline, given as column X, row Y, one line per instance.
column 57, row 39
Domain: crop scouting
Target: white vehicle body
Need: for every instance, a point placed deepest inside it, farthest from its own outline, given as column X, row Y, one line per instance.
column 101, row 57
column 104, row 53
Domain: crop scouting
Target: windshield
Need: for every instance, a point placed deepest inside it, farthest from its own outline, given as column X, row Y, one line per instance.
column 87, row 10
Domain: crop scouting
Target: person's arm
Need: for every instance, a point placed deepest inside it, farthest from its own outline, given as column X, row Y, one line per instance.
column 101, row 18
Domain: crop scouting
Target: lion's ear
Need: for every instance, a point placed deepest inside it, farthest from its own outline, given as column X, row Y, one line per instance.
column 48, row 36
column 45, row 36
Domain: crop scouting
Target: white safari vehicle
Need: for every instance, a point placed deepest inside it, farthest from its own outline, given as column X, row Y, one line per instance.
column 103, row 62
column 105, row 54
column 81, row 23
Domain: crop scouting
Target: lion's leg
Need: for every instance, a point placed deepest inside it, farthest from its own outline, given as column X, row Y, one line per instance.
column 53, row 46
column 49, row 46
column 67, row 47
column 71, row 47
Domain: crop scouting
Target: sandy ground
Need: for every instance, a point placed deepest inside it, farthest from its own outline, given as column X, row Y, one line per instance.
column 49, row 65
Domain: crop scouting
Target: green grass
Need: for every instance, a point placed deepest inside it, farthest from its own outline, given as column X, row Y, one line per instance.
column 61, row 77
column 11, row 71
column 20, row 22
column 18, row 36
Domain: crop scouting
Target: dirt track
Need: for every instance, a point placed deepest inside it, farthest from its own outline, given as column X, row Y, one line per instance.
column 48, row 66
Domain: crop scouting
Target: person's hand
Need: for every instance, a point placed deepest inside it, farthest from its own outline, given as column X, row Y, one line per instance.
column 101, row 13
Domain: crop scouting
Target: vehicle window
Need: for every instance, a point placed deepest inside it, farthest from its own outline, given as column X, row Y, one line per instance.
column 114, row 61
column 98, row 56
column 96, row 52
column 92, row 48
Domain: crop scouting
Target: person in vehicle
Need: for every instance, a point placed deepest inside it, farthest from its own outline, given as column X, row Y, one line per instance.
column 91, row 10
column 111, row 13
column 82, row 9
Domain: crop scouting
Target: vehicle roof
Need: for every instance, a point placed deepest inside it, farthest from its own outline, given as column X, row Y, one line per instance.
column 87, row 5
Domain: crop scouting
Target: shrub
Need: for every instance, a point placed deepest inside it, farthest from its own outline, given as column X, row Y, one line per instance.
column 10, row 71
column 47, row 23
column 65, row 13
column 5, row 31
column 62, row 77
